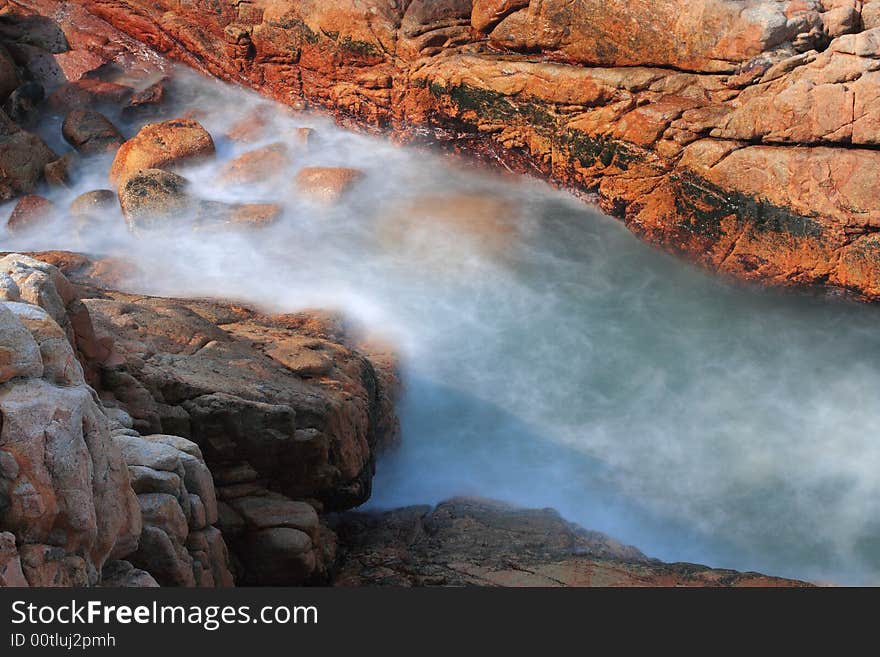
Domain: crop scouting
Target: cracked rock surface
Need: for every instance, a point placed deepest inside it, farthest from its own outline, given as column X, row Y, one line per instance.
column 742, row 134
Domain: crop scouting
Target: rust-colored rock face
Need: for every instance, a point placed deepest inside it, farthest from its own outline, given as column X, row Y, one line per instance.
column 739, row 133
column 699, row 35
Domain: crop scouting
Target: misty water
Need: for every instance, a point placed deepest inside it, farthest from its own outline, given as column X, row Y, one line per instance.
column 549, row 358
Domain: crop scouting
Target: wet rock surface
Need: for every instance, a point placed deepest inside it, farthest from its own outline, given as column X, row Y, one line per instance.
column 90, row 132
column 29, row 213
column 707, row 126
column 326, row 184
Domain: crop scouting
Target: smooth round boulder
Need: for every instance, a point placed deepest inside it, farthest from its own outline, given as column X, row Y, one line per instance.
column 95, row 203
column 30, row 212
column 162, row 146
column 258, row 166
column 150, row 198
column 327, row 185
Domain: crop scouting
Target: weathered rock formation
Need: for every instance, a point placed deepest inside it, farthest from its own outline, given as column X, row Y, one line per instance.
column 285, row 409
column 179, row 546
column 65, row 496
column 159, row 145
column 289, row 417
column 80, row 489
column 742, row 133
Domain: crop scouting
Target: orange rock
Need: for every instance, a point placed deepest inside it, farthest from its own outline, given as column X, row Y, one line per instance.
column 76, row 64
column 162, row 145
column 429, row 26
column 327, row 184
column 488, row 13
column 29, row 213
column 257, row 166
column 697, row 35
column 212, row 215
column 602, row 96
column 251, row 127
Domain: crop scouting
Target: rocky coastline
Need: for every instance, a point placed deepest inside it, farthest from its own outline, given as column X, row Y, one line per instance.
column 149, row 441
column 174, row 442
column 708, row 127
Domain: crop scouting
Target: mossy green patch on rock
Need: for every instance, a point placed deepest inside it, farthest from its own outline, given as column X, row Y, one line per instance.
column 493, row 105
column 589, row 150
column 701, row 207
column 359, row 48
column 296, row 25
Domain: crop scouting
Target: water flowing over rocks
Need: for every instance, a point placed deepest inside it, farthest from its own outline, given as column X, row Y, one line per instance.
column 707, row 126
column 184, row 442
column 260, row 166
column 327, row 184
column 221, row 445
